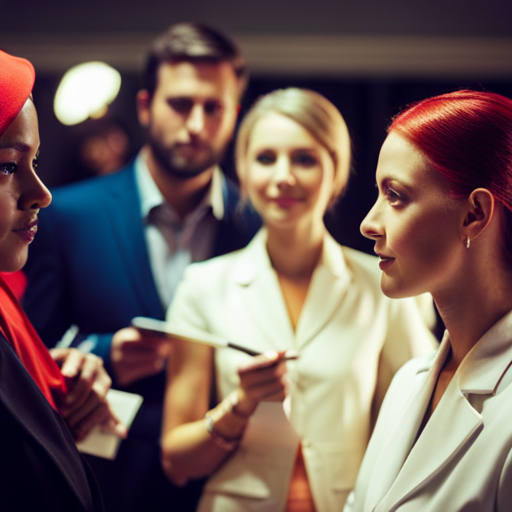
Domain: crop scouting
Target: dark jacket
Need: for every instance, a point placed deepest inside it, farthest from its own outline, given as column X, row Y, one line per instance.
column 89, row 266
column 40, row 467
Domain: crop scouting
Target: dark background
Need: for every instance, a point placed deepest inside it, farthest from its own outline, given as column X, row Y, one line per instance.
column 369, row 57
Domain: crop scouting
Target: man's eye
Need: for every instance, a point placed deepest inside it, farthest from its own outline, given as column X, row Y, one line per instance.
column 305, row 160
column 8, row 168
column 212, row 108
column 181, row 105
column 266, row 158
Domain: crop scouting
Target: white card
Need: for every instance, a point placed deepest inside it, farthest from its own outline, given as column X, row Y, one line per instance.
column 104, row 444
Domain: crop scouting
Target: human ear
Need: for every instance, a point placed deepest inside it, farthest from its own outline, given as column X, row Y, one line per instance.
column 480, row 211
column 143, row 101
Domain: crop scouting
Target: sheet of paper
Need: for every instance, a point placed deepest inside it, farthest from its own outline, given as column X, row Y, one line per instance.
column 103, row 444
column 187, row 334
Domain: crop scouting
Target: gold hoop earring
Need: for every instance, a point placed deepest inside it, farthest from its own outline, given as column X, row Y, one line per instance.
column 468, row 242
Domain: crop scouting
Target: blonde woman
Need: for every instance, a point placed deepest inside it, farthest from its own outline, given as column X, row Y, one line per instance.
column 293, row 287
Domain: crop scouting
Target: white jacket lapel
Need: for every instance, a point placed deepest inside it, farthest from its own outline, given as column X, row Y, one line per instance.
column 261, row 295
column 398, row 446
column 439, row 443
column 454, row 424
column 328, row 287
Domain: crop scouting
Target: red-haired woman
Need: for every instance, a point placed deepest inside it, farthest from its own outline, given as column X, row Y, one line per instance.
column 442, row 224
column 40, row 468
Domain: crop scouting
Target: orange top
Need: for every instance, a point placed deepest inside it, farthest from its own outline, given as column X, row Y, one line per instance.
column 299, row 492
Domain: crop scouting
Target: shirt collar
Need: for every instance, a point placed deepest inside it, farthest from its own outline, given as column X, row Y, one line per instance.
column 150, row 195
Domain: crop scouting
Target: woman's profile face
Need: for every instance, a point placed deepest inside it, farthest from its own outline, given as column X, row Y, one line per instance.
column 414, row 222
column 289, row 175
column 22, row 193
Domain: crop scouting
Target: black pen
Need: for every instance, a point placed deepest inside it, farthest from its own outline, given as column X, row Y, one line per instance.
column 161, row 327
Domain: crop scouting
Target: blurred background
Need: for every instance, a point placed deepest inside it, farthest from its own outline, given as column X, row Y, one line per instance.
column 369, row 57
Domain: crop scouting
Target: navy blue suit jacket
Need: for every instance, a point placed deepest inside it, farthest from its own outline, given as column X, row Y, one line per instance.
column 40, row 468
column 89, row 266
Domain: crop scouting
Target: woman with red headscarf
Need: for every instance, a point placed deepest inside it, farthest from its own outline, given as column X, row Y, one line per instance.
column 40, row 468
column 442, row 224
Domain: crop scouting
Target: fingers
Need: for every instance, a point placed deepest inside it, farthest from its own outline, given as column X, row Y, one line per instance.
column 85, row 405
column 264, row 378
column 100, row 415
column 83, row 420
column 70, row 361
column 92, row 382
column 114, row 426
column 84, row 375
column 136, row 355
column 267, row 360
column 270, row 391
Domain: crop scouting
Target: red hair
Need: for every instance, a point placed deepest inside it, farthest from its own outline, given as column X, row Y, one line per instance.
column 467, row 137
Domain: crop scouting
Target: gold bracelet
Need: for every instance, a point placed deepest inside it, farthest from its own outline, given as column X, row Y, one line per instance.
column 219, row 439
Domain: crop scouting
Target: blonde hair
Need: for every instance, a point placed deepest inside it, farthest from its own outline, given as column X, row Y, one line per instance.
column 313, row 112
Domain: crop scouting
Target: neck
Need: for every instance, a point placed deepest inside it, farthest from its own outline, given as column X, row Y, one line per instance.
column 294, row 253
column 480, row 300
column 184, row 195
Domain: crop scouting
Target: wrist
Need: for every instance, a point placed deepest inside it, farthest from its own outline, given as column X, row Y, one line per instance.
column 241, row 405
column 226, row 443
column 239, row 410
column 226, row 424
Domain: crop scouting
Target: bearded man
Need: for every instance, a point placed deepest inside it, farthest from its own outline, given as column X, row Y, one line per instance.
column 115, row 247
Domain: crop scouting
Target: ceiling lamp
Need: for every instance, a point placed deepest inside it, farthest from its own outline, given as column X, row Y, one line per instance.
column 85, row 91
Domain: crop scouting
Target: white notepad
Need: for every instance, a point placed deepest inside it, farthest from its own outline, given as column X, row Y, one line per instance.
column 102, row 444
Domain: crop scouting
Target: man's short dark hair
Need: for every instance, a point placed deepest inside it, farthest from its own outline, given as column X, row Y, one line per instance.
column 193, row 42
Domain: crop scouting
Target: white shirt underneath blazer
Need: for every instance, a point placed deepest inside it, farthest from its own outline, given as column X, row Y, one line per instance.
column 462, row 461
column 347, row 335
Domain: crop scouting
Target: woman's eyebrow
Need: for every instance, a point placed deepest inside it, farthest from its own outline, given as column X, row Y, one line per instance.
column 23, row 148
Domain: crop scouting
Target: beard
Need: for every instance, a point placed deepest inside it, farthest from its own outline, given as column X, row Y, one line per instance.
column 183, row 167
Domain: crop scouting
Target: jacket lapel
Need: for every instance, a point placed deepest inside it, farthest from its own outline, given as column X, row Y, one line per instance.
column 454, row 425
column 128, row 229
column 401, row 439
column 21, row 396
column 328, row 287
column 261, row 295
column 439, row 443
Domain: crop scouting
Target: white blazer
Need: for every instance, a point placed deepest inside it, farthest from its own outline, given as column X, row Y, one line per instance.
column 347, row 331
column 462, row 461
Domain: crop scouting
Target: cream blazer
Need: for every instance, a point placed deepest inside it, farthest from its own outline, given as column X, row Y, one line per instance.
column 349, row 335
column 462, row 461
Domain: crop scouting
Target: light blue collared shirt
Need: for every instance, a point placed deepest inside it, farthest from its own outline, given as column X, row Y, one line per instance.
column 174, row 243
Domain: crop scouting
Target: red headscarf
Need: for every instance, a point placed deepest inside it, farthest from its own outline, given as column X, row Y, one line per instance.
column 17, row 78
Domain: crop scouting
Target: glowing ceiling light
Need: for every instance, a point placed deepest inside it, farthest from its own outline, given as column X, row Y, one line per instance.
column 85, row 91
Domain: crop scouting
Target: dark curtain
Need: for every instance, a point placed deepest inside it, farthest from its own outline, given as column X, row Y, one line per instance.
column 368, row 105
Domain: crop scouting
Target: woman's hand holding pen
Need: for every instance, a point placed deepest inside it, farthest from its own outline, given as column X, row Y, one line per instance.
column 263, row 379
